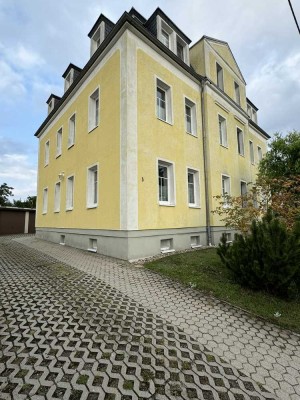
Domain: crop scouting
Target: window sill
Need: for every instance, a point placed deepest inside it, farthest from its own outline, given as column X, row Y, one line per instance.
column 92, row 206
column 92, row 250
column 166, row 122
column 62, row 244
column 69, row 209
column 56, row 211
column 224, row 147
column 242, row 155
column 44, row 213
column 194, row 206
column 71, row 145
column 195, row 246
column 192, row 134
column 46, row 165
column 166, row 204
column 58, row 155
column 92, row 129
column 167, row 251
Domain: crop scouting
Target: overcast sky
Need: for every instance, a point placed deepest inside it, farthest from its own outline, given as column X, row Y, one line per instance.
column 38, row 40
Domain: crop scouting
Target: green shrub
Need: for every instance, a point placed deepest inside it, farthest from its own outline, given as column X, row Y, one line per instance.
column 267, row 259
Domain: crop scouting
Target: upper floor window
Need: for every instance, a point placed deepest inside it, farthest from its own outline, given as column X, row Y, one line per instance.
column 220, row 81
column 70, row 193
column 163, row 101
column 57, row 197
column 259, row 153
column 190, row 117
column 47, row 149
column 72, row 129
column 94, row 110
column 243, row 193
column 240, row 141
column 222, row 131
column 45, row 200
column 251, row 152
column 237, row 93
column 193, row 187
column 166, row 192
column 58, row 142
column 92, row 187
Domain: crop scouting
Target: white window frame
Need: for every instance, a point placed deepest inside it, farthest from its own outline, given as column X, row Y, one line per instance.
column 90, row 188
column 72, row 130
column 160, row 84
column 93, row 111
column 196, row 185
column 50, row 106
column 220, row 76
column 69, row 79
column 165, row 37
column 70, row 192
column 59, row 139
column 223, row 137
column 171, row 202
column 45, row 200
column 189, row 103
column 228, row 180
column 259, row 153
column 243, row 184
column 237, row 93
column 57, row 193
column 185, row 49
column 240, row 141
column 94, row 41
column 251, row 151
column 47, row 152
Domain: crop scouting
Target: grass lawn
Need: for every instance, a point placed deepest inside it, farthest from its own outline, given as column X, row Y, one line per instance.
column 205, row 271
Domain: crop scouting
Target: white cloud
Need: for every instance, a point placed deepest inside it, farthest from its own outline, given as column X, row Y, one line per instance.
column 11, row 82
column 19, row 171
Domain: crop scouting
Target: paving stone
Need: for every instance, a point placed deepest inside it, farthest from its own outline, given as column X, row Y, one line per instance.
column 147, row 293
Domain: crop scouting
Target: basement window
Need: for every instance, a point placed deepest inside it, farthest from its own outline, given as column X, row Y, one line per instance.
column 92, row 245
column 195, row 242
column 62, row 240
column 166, row 246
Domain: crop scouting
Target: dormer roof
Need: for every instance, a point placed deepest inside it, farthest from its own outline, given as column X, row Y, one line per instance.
column 98, row 22
column 159, row 12
column 135, row 14
column 52, row 96
column 71, row 66
column 251, row 104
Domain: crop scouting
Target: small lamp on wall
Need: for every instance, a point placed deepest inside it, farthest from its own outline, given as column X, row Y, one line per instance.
column 61, row 176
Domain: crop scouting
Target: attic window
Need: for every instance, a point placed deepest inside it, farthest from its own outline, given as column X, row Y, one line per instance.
column 220, row 82
column 50, row 106
column 69, row 79
column 97, row 38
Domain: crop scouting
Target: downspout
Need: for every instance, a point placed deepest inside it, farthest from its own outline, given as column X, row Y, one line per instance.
column 204, row 140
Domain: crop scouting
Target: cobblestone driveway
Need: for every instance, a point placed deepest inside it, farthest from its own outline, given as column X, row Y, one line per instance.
column 76, row 325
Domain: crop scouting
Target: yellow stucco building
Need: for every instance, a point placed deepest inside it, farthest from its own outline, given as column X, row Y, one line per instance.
column 144, row 136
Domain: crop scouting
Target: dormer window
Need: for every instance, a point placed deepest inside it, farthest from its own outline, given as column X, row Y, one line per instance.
column 52, row 101
column 69, row 80
column 50, row 106
column 170, row 38
column 97, row 38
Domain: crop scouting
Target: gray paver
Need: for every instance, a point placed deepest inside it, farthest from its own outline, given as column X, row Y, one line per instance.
column 150, row 304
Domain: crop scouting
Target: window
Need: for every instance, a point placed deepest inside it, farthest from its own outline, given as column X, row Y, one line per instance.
column 190, row 117
column 50, row 106
column 228, row 237
column 92, row 245
column 166, row 245
column 94, row 110
column 163, row 101
column 62, row 240
column 225, row 188
column 70, row 193
column 69, row 79
column 92, row 187
column 240, row 141
column 237, row 93
column 193, row 188
column 254, row 116
column 72, row 129
column 251, row 152
column 243, row 192
column 97, row 38
column 259, row 153
column 180, row 49
column 57, row 197
column 166, row 183
column 222, row 131
column 195, row 241
column 249, row 111
column 220, row 82
column 45, row 200
column 165, row 38
column 47, row 148
column 58, row 142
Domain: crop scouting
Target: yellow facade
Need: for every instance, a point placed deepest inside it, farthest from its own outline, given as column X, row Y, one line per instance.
column 130, row 220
